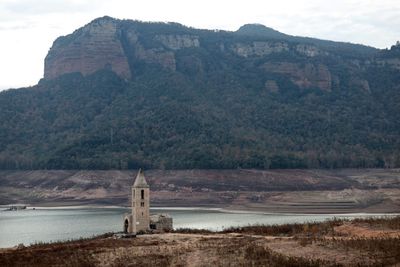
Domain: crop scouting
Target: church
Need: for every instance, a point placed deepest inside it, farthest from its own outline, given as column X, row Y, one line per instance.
column 140, row 220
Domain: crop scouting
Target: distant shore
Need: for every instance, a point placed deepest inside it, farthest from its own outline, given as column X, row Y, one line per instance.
column 338, row 191
column 202, row 208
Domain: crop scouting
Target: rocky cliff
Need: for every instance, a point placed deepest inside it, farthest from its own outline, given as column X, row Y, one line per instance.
column 108, row 43
column 304, row 76
column 125, row 46
column 88, row 49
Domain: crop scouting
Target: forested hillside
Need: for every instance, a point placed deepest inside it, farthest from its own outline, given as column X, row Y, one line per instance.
column 167, row 96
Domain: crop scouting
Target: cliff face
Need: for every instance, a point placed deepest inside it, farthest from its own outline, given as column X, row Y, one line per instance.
column 307, row 76
column 125, row 46
column 176, row 42
column 93, row 47
column 100, row 45
column 259, row 48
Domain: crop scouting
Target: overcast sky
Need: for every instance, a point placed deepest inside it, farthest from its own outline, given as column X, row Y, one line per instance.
column 29, row 27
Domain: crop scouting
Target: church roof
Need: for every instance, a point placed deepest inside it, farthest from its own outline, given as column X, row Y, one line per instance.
column 140, row 181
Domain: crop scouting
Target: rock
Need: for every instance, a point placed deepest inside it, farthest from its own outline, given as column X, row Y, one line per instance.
column 176, row 42
column 121, row 46
column 304, row 76
column 391, row 62
column 259, row 48
column 157, row 56
column 266, row 48
column 271, row 86
column 309, row 50
column 109, row 43
column 93, row 47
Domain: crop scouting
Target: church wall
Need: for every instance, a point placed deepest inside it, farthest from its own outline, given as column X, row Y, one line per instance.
column 140, row 208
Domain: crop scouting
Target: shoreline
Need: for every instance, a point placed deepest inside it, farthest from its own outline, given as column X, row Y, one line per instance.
column 204, row 208
column 274, row 191
column 330, row 243
column 223, row 218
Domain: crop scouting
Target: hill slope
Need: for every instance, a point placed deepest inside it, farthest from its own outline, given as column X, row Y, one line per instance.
column 123, row 94
column 290, row 191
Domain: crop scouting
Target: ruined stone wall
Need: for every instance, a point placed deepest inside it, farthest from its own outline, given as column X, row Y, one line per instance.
column 161, row 222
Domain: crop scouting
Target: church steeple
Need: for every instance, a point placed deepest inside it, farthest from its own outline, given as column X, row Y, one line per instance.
column 140, row 181
column 140, row 204
column 138, row 221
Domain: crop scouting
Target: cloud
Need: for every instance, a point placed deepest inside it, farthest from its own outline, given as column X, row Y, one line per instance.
column 15, row 26
column 374, row 23
column 43, row 7
column 28, row 27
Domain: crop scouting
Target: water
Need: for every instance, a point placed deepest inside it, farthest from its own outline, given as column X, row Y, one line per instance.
column 53, row 224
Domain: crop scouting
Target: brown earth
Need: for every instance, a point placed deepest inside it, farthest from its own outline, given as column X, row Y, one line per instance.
column 302, row 191
column 349, row 229
column 315, row 244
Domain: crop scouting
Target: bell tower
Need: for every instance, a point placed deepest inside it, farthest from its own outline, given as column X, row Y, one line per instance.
column 140, row 204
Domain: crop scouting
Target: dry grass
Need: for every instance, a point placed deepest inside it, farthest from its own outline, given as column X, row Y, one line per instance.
column 383, row 222
column 382, row 251
column 277, row 245
column 306, row 229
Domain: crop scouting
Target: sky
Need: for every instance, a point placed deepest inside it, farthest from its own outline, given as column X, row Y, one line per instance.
column 29, row 27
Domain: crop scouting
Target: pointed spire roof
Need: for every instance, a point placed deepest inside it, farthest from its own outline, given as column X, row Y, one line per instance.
column 140, row 181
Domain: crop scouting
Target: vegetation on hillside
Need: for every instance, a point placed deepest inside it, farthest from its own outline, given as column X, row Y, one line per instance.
column 167, row 120
column 213, row 112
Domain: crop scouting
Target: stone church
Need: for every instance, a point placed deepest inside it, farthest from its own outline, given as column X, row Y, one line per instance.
column 140, row 220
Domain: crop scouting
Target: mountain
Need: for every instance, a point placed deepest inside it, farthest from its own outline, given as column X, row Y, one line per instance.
column 120, row 94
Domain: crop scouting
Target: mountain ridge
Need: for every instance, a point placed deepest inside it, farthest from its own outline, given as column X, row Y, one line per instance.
column 122, row 94
column 119, row 37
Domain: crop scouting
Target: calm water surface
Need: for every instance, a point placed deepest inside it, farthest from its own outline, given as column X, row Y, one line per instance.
column 52, row 224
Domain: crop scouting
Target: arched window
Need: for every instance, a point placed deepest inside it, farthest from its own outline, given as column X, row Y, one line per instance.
column 142, row 192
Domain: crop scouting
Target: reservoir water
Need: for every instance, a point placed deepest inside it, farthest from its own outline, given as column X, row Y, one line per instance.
column 53, row 224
